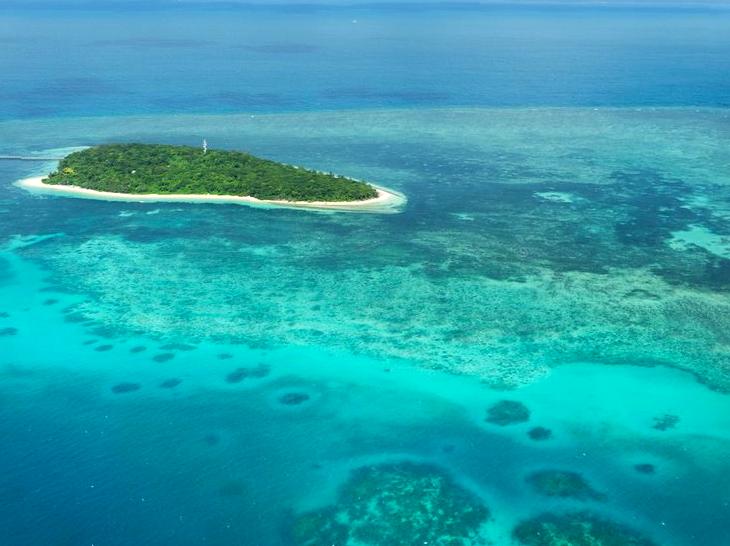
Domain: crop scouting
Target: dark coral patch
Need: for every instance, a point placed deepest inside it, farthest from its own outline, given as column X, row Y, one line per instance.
column 665, row 422
column 320, row 527
column 170, row 383
column 50, row 301
column 645, row 468
column 7, row 332
column 177, row 347
column 224, row 356
column 293, row 398
column 239, row 374
column 138, row 349
column 540, row 434
column 395, row 504
column 163, row 357
column 90, row 341
column 3, row 314
column 121, row 388
column 576, row 529
column 507, row 412
column 104, row 348
column 564, row 484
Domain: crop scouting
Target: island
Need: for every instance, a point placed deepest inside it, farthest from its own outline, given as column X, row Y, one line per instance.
column 161, row 172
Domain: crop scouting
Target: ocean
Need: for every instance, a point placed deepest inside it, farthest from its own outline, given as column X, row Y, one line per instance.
column 537, row 346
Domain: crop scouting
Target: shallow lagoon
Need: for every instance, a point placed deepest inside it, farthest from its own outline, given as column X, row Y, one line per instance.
column 204, row 458
column 396, row 333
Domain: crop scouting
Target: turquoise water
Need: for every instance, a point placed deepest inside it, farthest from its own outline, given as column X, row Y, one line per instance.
column 218, row 374
column 547, row 272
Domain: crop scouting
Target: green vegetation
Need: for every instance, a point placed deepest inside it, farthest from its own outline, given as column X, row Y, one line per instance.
column 398, row 504
column 164, row 169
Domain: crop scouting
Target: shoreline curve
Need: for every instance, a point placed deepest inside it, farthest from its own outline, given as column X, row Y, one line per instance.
column 387, row 202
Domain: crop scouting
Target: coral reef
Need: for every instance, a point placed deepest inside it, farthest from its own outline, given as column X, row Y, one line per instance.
column 163, row 357
column 492, row 297
column 409, row 322
column 121, row 388
column 540, row 433
column 562, row 483
column 665, row 422
column 507, row 412
column 397, row 504
column 576, row 529
column 320, row 527
column 293, row 398
column 239, row 374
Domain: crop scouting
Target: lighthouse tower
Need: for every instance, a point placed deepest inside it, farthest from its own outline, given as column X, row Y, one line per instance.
column 205, row 146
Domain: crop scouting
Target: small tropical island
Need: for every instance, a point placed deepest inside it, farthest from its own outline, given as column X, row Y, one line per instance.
column 161, row 172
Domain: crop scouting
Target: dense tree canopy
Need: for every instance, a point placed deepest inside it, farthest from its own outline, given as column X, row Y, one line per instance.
column 165, row 169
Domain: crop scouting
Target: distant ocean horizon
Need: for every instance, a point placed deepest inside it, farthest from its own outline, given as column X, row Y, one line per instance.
column 311, row 58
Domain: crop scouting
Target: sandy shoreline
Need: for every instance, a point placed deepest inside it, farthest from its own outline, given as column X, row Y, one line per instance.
column 387, row 201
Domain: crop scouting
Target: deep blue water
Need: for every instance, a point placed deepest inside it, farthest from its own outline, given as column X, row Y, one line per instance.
column 213, row 374
column 75, row 62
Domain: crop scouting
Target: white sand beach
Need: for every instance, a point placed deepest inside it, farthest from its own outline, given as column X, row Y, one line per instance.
column 387, row 201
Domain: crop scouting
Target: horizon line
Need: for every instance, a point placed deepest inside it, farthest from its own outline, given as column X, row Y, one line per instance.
column 639, row 5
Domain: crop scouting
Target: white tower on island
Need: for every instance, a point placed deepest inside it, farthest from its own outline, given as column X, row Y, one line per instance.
column 205, row 146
